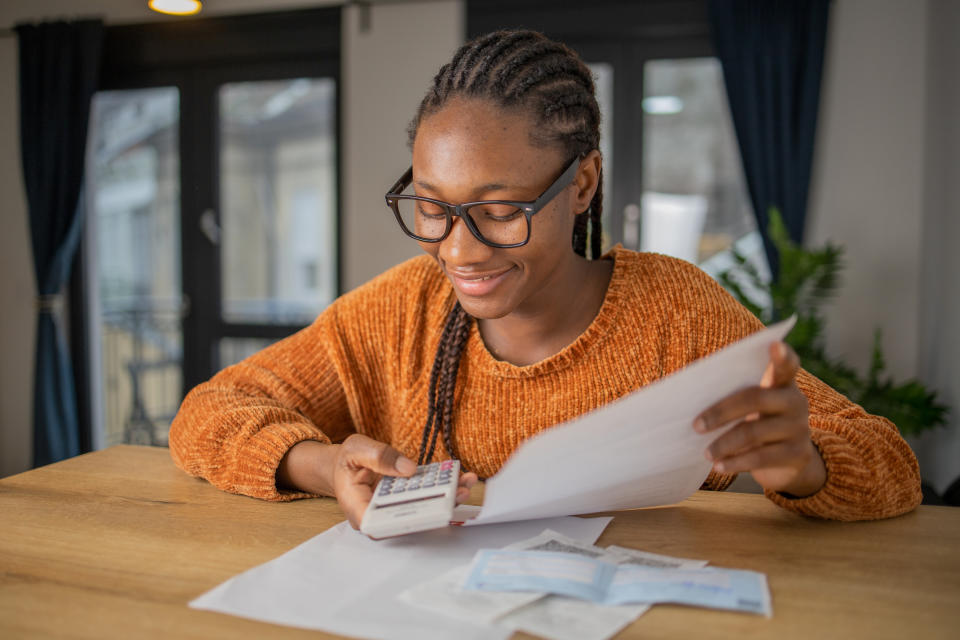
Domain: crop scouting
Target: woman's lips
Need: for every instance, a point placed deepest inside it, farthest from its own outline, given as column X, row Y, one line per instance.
column 478, row 284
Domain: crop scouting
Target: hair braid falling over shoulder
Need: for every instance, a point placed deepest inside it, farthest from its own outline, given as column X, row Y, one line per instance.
column 519, row 70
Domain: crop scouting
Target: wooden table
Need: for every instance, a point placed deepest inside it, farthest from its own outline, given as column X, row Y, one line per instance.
column 115, row 543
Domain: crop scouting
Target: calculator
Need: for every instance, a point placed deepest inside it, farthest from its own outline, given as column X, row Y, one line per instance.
column 421, row 502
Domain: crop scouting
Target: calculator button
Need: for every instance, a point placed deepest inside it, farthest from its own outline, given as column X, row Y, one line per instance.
column 427, row 485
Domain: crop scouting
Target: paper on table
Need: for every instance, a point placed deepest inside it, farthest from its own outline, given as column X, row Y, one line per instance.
column 639, row 451
column 343, row 582
column 553, row 617
column 560, row 618
column 604, row 582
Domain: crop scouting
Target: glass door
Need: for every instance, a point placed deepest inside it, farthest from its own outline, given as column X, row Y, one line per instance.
column 212, row 232
column 278, row 200
column 133, row 236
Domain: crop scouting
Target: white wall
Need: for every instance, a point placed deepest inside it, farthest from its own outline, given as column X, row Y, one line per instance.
column 17, row 287
column 867, row 185
column 386, row 72
column 884, row 162
column 939, row 451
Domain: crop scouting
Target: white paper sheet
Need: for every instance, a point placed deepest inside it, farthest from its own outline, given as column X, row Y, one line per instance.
column 343, row 582
column 640, row 451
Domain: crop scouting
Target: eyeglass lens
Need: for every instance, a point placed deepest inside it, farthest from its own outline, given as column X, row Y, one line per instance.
column 497, row 223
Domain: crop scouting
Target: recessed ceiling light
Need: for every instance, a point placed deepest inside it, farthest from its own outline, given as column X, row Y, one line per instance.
column 176, row 7
column 662, row 105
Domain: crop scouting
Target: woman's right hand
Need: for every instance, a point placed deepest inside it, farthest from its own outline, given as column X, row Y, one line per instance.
column 350, row 471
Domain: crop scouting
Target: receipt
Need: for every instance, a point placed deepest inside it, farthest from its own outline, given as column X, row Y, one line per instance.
column 562, row 618
column 603, row 582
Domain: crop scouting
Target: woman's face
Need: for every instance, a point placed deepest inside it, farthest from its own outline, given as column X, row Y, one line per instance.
column 473, row 150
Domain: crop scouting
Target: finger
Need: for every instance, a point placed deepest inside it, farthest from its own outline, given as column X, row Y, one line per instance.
column 380, row 457
column 743, row 403
column 785, row 364
column 752, row 434
column 468, row 479
column 778, row 454
column 354, row 499
column 463, row 494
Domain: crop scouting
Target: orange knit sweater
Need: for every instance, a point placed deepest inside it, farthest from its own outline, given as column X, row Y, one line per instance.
column 363, row 367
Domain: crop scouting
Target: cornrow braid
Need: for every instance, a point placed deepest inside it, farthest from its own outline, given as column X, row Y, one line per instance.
column 520, row 70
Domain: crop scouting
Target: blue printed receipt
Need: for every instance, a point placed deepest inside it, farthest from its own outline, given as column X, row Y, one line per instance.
column 602, row 582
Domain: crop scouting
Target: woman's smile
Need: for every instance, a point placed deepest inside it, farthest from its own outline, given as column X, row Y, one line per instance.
column 477, row 283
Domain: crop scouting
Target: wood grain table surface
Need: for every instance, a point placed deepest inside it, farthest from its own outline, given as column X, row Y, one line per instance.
column 113, row 544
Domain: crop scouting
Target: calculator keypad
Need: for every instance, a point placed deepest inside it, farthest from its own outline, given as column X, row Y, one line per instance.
column 435, row 475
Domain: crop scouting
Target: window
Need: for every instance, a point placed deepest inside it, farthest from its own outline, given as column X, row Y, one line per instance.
column 212, row 199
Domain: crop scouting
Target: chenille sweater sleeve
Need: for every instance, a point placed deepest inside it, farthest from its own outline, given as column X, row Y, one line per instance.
column 322, row 383
column 871, row 471
column 234, row 429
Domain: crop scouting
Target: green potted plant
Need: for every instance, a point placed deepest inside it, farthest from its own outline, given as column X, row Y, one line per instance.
column 807, row 279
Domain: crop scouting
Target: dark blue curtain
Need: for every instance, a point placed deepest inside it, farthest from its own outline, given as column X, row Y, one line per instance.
column 59, row 71
column 772, row 57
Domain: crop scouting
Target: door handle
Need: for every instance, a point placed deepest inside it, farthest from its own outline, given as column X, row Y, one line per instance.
column 210, row 227
column 631, row 226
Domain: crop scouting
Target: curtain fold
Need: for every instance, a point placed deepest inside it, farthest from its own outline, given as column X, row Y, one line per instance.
column 59, row 73
column 772, row 52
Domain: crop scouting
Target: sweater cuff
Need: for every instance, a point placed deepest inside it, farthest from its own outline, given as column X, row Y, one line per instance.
column 259, row 457
column 846, row 489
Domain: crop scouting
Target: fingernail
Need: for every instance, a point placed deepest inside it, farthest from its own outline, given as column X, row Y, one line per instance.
column 699, row 425
column 719, row 467
column 405, row 465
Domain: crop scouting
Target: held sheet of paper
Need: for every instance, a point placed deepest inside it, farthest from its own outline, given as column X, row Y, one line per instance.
column 639, row 451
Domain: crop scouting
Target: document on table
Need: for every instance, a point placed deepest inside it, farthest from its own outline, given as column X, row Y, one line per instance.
column 597, row 580
column 638, row 451
column 548, row 616
column 343, row 582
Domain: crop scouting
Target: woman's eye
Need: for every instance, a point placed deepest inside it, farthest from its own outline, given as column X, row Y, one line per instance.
column 500, row 213
column 428, row 210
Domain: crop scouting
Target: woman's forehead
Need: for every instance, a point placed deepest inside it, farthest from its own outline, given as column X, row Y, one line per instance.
column 470, row 144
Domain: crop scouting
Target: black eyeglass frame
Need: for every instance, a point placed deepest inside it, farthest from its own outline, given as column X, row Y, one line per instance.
column 394, row 195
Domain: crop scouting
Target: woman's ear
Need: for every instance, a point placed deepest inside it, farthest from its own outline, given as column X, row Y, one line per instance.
column 587, row 180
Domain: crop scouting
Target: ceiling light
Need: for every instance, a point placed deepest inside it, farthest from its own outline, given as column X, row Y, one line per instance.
column 660, row 105
column 176, row 7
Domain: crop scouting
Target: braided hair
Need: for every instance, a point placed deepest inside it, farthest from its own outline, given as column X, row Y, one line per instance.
column 526, row 71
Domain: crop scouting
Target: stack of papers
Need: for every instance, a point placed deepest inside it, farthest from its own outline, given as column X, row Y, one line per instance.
column 609, row 583
column 559, row 588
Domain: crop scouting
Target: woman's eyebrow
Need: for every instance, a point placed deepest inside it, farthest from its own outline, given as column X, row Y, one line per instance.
column 490, row 186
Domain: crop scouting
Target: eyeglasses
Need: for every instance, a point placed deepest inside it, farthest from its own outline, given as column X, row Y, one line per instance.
column 496, row 223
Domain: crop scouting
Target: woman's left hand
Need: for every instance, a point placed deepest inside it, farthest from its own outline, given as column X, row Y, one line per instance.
column 771, row 437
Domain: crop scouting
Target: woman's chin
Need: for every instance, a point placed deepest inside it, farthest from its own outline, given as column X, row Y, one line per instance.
column 484, row 309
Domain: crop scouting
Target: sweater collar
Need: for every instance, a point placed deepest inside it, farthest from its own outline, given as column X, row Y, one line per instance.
column 481, row 358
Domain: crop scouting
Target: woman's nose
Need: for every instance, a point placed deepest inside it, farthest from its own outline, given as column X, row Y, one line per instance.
column 462, row 247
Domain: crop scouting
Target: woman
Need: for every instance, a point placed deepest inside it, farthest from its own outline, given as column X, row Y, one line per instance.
column 505, row 328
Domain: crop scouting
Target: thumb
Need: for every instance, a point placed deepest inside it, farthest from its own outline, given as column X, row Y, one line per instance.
column 783, row 366
column 383, row 459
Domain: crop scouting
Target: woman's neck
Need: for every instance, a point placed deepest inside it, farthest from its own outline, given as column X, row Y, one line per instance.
column 527, row 337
